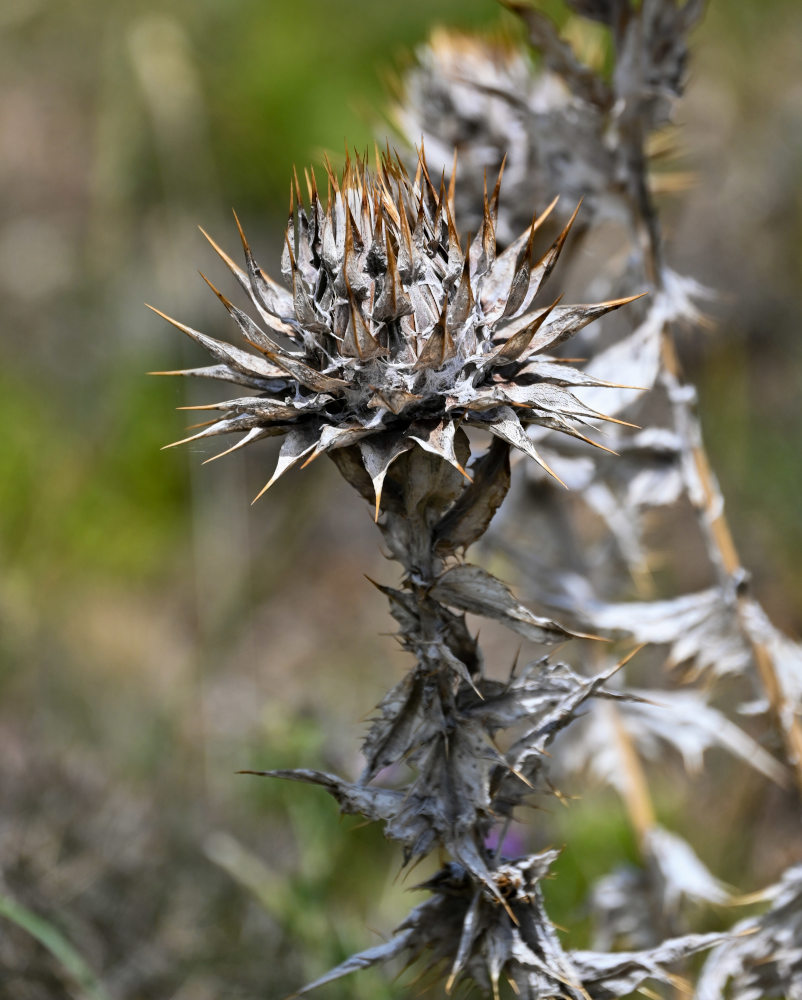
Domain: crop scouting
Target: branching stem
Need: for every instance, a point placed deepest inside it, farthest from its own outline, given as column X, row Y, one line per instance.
column 710, row 507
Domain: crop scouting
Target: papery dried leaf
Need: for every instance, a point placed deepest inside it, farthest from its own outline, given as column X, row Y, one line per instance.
column 508, row 427
column 298, row 443
column 623, row 910
column 472, row 589
column 525, row 756
column 611, row 976
column 476, row 936
column 481, row 941
column 350, row 465
column 682, row 874
column 449, row 798
column 228, row 356
column 530, row 695
column 223, row 373
column 700, row 627
column 653, row 720
column 622, row 521
column 473, row 510
column 374, row 803
column 378, row 455
column 438, row 439
column 561, row 323
column 363, row 960
column 429, row 486
column 763, row 956
column 633, row 360
column 396, row 730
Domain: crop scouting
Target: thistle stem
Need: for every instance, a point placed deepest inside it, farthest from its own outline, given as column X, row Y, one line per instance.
column 635, row 791
column 710, row 510
column 714, row 525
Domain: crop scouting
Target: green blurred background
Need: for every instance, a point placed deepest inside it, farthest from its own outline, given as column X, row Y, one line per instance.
column 156, row 632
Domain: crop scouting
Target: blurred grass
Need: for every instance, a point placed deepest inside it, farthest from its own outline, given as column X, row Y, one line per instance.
column 57, row 944
column 156, row 634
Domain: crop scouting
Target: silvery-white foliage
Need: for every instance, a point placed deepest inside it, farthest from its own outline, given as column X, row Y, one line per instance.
column 473, row 589
column 654, row 720
column 651, row 54
column 650, row 467
column 635, row 358
column 623, row 912
column 651, row 66
column 707, row 630
column 556, row 127
column 633, row 361
column 681, row 873
column 633, row 906
column 699, row 628
column 611, row 975
column 646, row 472
column 486, row 100
column 762, row 960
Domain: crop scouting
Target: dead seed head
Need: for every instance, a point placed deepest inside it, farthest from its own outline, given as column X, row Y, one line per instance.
column 390, row 333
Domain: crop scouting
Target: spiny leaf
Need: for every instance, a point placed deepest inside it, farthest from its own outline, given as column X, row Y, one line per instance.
column 473, row 589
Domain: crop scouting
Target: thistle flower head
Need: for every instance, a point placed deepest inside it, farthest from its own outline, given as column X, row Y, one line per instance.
column 390, row 334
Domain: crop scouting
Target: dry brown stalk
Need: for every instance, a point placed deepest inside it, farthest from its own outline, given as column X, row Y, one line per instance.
column 714, row 524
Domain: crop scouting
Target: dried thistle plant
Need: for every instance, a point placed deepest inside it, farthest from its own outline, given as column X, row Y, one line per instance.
column 722, row 631
column 401, row 353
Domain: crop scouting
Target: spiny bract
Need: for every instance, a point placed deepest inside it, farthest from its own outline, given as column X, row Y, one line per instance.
column 391, row 334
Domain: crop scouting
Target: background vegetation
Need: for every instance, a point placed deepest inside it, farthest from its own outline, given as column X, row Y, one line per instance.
column 156, row 632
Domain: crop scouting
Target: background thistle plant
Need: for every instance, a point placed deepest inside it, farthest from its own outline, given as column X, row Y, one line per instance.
column 156, row 632
column 483, row 97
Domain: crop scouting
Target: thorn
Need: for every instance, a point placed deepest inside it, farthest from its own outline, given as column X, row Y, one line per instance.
column 616, row 303
column 496, row 190
column 628, row 657
column 229, row 305
column 298, row 197
column 245, row 246
column 222, row 254
column 263, row 490
column 179, row 326
column 452, row 182
column 221, row 454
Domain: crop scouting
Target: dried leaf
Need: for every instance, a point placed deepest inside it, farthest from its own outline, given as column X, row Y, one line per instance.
column 682, row 874
column 701, row 628
column 654, row 720
column 473, row 510
column 611, row 976
column 472, row 589
column 374, row 803
column 763, row 956
column 399, row 728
